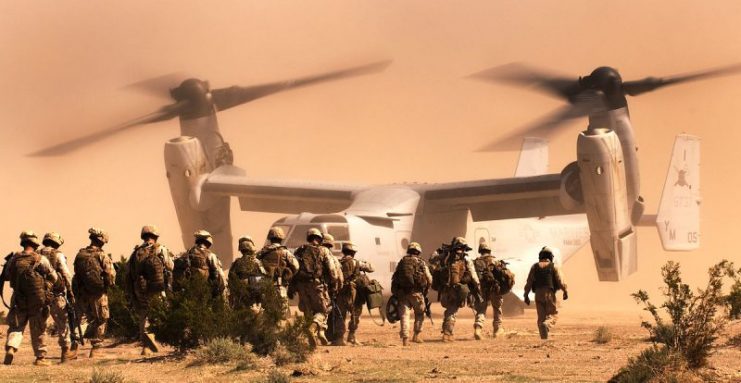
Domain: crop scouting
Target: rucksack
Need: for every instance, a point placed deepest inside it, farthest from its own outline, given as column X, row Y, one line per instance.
column 150, row 269
column 195, row 261
column 349, row 269
column 310, row 262
column 28, row 284
column 409, row 275
column 504, row 277
column 52, row 255
column 274, row 259
column 89, row 271
column 485, row 270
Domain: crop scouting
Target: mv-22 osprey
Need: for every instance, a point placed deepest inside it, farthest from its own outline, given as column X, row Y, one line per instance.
column 595, row 199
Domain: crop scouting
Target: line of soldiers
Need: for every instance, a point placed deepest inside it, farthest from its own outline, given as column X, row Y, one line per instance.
column 462, row 280
column 327, row 287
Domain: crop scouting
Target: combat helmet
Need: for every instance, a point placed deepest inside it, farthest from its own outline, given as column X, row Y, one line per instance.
column 29, row 237
column 314, row 232
column 53, row 239
column 99, row 234
column 203, row 235
column 349, row 248
column 150, row 230
column 276, row 234
column 546, row 252
column 414, row 247
column 328, row 241
column 460, row 242
column 484, row 248
column 246, row 244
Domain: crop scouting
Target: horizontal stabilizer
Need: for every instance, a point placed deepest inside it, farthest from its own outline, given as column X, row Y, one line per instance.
column 533, row 157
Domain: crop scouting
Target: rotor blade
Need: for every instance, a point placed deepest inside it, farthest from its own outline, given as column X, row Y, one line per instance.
column 635, row 88
column 226, row 98
column 586, row 103
column 158, row 86
column 521, row 75
column 164, row 113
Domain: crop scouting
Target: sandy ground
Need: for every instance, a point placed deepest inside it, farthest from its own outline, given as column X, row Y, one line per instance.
column 518, row 356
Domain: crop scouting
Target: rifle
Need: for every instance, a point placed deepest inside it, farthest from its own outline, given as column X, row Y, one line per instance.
column 2, row 279
column 75, row 329
column 428, row 309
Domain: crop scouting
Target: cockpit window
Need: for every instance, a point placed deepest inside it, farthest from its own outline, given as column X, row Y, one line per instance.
column 340, row 233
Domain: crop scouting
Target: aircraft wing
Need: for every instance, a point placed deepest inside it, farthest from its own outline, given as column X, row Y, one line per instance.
column 504, row 198
column 289, row 197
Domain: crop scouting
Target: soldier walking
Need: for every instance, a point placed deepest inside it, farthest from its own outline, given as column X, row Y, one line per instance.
column 94, row 274
column 409, row 284
column 200, row 260
column 545, row 279
column 490, row 291
column 62, row 291
column 280, row 265
column 316, row 272
column 347, row 296
column 28, row 274
column 245, row 276
column 150, row 272
column 461, row 279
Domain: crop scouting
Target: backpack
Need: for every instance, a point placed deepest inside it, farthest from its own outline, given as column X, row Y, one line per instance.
column 274, row 258
column 409, row 275
column 28, row 284
column 310, row 262
column 150, row 269
column 195, row 261
column 504, row 277
column 349, row 269
column 50, row 253
column 484, row 268
column 89, row 272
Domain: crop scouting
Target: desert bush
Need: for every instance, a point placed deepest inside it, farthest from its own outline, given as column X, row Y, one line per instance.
column 275, row 376
column 694, row 320
column 733, row 300
column 123, row 323
column 101, row 376
column 224, row 350
column 652, row 362
column 294, row 337
column 602, row 335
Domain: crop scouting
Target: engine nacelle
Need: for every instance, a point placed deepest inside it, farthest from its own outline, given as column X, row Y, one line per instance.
column 570, row 194
column 187, row 168
column 603, row 185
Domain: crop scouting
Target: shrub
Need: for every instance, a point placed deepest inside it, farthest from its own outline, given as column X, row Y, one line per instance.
column 733, row 300
column 100, row 376
column 602, row 335
column 652, row 362
column 275, row 376
column 123, row 323
column 223, row 350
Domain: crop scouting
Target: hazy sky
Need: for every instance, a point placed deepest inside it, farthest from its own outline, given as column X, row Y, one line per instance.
column 64, row 64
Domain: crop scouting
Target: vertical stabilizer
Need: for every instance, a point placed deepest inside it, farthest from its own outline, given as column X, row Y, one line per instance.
column 678, row 220
column 533, row 157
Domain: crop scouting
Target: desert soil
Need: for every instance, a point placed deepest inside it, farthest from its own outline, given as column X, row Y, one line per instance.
column 519, row 355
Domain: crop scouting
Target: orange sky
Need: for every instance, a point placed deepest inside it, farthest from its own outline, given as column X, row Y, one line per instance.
column 64, row 63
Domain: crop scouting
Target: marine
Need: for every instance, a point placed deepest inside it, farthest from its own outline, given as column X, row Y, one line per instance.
column 94, row 274
column 347, row 298
column 29, row 275
column 62, row 294
column 246, row 275
column 150, row 275
column 485, row 266
column 279, row 263
column 316, row 273
column 545, row 279
column 200, row 260
column 460, row 279
column 409, row 284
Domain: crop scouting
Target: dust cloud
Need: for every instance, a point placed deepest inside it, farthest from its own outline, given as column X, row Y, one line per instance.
column 64, row 64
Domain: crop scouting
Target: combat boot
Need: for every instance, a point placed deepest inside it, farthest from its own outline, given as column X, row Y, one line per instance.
column 322, row 338
column 405, row 341
column 543, row 330
column 68, row 355
column 339, row 342
column 477, row 333
column 496, row 331
column 447, row 337
column 351, row 339
column 9, row 354
column 416, row 338
column 93, row 350
column 41, row 362
column 146, row 351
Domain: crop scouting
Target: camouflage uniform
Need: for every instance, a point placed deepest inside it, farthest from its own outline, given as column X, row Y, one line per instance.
column 273, row 256
column 94, row 306
column 450, row 298
column 347, row 296
column 137, row 285
column 490, row 295
column 316, row 272
column 20, row 313
column 245, row 276
column 61, row 289
column 328, row 242
column 411, row 300
column 545, row 279
column 216, row 274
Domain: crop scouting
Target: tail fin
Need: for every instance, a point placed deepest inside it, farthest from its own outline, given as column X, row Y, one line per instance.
column 678, row 220
column 533, row 157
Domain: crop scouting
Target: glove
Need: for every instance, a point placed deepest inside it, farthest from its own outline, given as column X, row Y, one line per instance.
column 527, row 300
column 565, row 296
